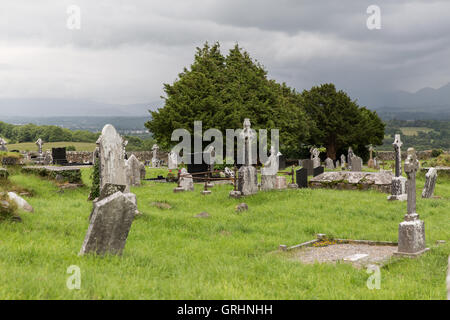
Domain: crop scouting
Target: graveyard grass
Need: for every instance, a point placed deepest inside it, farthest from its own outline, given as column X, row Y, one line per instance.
column 172, row 255
column 31, row 146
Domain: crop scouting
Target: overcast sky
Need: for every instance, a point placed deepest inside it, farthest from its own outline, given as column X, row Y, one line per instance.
column 126, row 50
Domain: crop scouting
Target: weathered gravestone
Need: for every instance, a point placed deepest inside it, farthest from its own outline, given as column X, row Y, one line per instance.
column 48, row 159
column 3, row 145
column 329, row 164
column 280, row 183
column 315, row 153
column 371, row 163
column 269, row 171
column 411, row 232
column 343, row 161
column 142, row 171
column 350, row 155
column 398, row 188
column 186, row 182
column 430, row 183
column 356, row 164
column 40, row 157
column 248, row 178
column 156, row 163
column 112, row 158
column 281, row 162
column 110, row 224
column 173, row 160
column 59, row 156
column 133, row 166
column 302, row 178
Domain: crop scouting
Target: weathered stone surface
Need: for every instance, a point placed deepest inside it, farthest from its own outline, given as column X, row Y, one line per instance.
column 398, row 189
column 186, row 181
column 241, row 207
column 60, row 174
column 156, row 163
column 346, row 180
column 173, row 160
column 112, row 159
column 329, row 164
column 203, row 215
column 21, row 203
column 308, row 164
column 109, row 189
column 430, row 183
column 356, row 164
column 248, row 180
column 228, row 172
column 315, row 153
column 268, row 182
column 411, row 238
column 133, row 167
column 110, row 224
column 280, row 183
column 142, row 171
column 343, row 161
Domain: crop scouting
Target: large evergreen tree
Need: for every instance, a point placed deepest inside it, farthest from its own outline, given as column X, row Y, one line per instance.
column 340, row 122
column 222, row 91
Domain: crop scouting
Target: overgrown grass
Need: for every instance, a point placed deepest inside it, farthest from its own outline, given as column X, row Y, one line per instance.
column 172, row 255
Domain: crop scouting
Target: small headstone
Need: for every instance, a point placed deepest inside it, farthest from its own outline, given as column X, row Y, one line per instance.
column 110, row 224
column 133, row 166
column 142, row 171
column 241, row 207
column 186, row 181
column 59, row 156
column 203, row 215
column 48, row 159
column 268, row 182
column 280, row 183
column 338, row 164
column 356, row 164
column 247, row 180
column 430, row 183
column 350, row 155
column 371, row 163
column 281, row 162
column 302, row 178
column 315, row 153
column 318, row 171
column 398, row 188
column 21, row 203
column 173, row 160
column 343, row 161
column 329, row 164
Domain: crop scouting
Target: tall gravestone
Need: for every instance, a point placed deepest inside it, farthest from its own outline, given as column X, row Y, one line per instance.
column 350, row 155
column 112, row 158
column 315, row 153
column 269, row 171
column 356, row 164
column 173, row 160
column 398, row 185
column 411, row 232
column 40, row 158
column 343, row 161
column 155, row 160
column 248, row 178
column 110, row 224
column 371, row 163
column 430, row 183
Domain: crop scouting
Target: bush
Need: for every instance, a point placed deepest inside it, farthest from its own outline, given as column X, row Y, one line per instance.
column 95, row 189
column 3, row 174
column 436, row 153
column 71, row 148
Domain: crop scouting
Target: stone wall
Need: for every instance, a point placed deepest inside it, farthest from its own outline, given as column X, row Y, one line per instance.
column 390, row 155
column 86, row 156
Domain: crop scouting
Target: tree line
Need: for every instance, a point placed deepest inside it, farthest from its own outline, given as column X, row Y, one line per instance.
column 222, row 90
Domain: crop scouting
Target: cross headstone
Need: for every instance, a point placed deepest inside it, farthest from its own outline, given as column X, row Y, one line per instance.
column 398, row 186
column 248, row 177
column 350, row 155
column 398, row 155
column 155, row 160
column 430, row 183
column 411, row 233
column 248, row 135
column 371, row 164
column 343, row 161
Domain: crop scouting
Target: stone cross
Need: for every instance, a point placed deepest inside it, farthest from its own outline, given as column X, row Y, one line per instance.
column 350, row 155
column 155, row 160
column 398, row 155
column 39, row 143
column 371, row 151
column 430, row 183
column 248, row 135
column 411, row 167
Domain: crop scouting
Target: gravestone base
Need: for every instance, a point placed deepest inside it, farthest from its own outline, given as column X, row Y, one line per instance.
column 235, row 194
column 248, row 180
column 178, row 189
column 411, row 238
column 292, row 186
column 210, row 185
column 206, row 192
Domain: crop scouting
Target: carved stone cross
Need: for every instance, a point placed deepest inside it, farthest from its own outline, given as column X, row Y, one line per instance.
column 398, row 155
column 248, row 135
column 411, row 167
column 39, row 143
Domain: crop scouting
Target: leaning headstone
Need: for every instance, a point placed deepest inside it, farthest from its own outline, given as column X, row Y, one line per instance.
column 112, row 158
column 430, row 183
column 398, row 187
column 302, row 178
column 248, row 178
column 315, row 153
column 318, row 171
column 411, row 232
column 133, row 166
column 329, row 164
column 280, row 183
column 3, row 145
column 110, row 224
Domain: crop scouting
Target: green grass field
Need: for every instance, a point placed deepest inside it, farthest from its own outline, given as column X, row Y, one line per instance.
column 30, row 146
column 172, row 255
column 414, row 131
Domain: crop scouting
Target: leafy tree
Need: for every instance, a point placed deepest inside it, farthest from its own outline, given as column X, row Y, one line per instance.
column 223, row 91
column 340, row 122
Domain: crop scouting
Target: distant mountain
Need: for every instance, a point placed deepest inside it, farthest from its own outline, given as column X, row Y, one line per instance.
column 71, row 108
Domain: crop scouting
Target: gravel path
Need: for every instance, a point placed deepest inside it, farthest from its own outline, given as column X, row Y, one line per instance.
column 338, row 252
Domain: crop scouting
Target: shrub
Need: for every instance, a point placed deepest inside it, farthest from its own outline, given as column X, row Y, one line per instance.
column 95, row 176
column 71, row 148
column 436, row 153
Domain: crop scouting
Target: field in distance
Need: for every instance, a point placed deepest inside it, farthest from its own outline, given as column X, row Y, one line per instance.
column 414, row 131
column 31, row 146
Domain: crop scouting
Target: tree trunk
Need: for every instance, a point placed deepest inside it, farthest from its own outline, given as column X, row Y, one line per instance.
column 331, row 150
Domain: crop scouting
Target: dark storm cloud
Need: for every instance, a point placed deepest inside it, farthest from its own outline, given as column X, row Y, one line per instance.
column 125, row 50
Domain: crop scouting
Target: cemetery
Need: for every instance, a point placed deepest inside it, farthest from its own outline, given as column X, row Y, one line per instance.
column 223, row 233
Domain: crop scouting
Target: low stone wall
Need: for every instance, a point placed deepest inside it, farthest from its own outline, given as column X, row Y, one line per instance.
column 86, row 156
column 390, row 155
column 59, row 174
